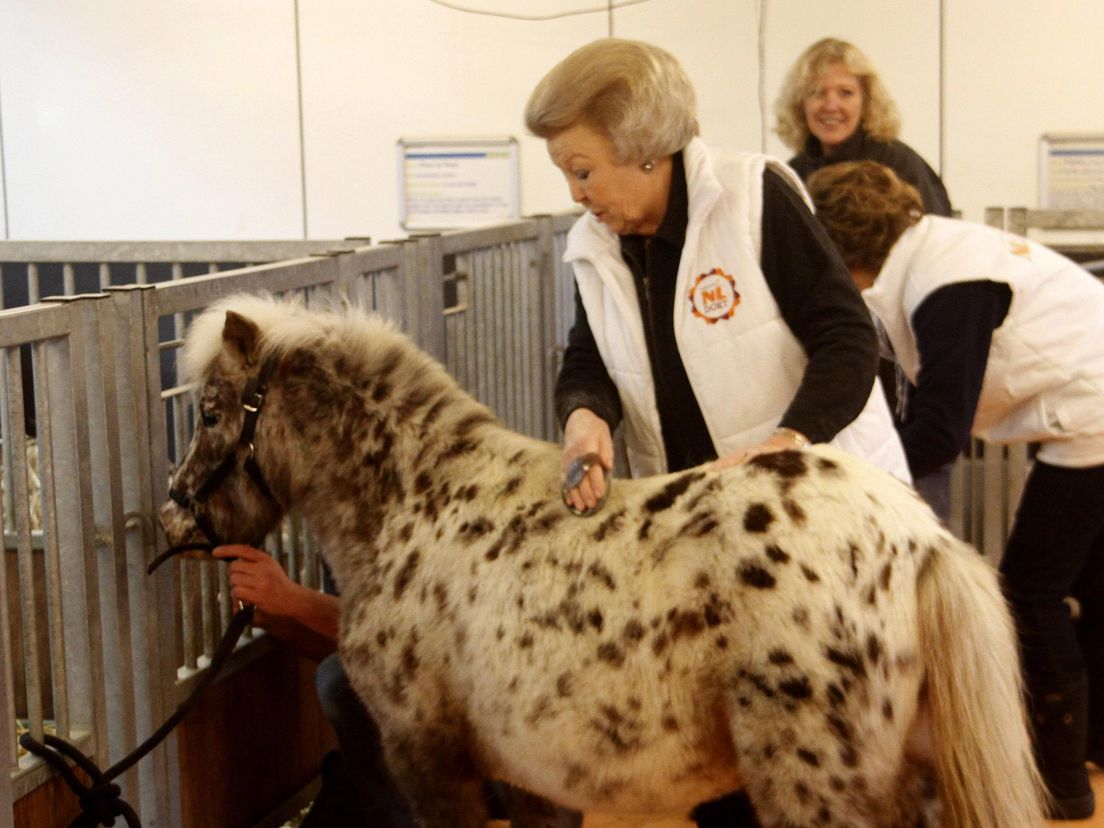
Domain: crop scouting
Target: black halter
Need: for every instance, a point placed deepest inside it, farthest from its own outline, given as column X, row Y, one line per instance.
column 252, row 401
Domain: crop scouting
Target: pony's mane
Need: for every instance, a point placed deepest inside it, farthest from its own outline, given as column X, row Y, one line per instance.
column 284, row 323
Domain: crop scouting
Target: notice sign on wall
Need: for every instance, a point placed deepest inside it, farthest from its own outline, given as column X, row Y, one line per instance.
column 449, row 183
column 1071, row 171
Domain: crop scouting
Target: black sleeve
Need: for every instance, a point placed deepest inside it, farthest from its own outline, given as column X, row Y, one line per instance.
column 954, row 329
column 932, row 191
column 583, row 381
column 934, row 194
column 912, row 167
column 824, row 310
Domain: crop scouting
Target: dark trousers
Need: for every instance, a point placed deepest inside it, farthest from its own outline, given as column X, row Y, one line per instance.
column 359, row 791
column 935, row 488
column 1057, row 550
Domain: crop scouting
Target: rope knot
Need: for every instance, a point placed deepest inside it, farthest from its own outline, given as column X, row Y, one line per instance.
column 102, row 801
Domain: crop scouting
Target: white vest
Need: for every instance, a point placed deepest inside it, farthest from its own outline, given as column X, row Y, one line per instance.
column 743, row 362
column 1044, row 380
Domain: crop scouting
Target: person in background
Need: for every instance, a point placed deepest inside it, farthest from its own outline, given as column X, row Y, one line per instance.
column 357, row 789
column 833, row 107
column 1002, row 338
column 713, row 318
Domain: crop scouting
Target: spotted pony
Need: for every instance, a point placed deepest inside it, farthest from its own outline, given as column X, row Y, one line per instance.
column 800, row 626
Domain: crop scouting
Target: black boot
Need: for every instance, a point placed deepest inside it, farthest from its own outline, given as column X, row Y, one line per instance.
column 1059, row 716
column 1094, row 660
column 730, row 811
column 340, row 804
column 1090, row 632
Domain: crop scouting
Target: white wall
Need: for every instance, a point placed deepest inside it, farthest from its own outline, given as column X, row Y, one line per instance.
column 1015, row 71
column 375, row 71
column 180, row 119
column 130, row 119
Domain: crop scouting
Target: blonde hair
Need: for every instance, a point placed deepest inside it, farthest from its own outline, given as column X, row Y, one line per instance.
column 635, row 94
column 879, row 116
column 865, row 208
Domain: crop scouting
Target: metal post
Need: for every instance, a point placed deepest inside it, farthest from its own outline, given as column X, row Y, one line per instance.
column 424, row 295
column 141, row 427
column 1017, row 221
column 547, row 290
column 72, row 528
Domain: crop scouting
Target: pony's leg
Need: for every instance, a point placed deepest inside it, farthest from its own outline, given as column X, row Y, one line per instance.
column 800, row 766
column 439, row 780
column 528, row 810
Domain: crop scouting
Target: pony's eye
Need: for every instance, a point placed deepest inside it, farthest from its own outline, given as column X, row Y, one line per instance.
column 210, row 419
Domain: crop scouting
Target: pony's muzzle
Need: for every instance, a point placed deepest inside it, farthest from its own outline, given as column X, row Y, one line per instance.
column 180, row 527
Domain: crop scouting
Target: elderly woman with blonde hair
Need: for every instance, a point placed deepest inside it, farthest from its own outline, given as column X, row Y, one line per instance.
column 833, row 107
column 1002, row 338
column 713, row 318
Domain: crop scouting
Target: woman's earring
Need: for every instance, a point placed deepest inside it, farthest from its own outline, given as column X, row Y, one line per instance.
column 648, row 166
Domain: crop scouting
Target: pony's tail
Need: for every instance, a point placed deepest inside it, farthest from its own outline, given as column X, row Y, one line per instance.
column 983, row 757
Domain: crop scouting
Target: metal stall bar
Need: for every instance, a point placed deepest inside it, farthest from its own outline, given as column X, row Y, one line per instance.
column 108, row 547
column 424, row 286
column 17, row 508
column 374, row 279
column 497, row 330
column 7, row 729
column 457, row 315
column 483, row 305
column 152, row 631
column 200, row 252
column 527, row 384
column 543, row 288
column 9, row 754
column 508, row 334
column 46, row 424
column 1022, row 220
column 994, row 217
column 71, row 552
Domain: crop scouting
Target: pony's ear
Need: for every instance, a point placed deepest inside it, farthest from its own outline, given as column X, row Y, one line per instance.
column 242, row 338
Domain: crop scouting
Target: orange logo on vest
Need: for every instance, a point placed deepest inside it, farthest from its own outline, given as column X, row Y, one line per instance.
column 713, row 296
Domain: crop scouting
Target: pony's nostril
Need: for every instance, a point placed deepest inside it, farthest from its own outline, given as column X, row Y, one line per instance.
column 180, row 498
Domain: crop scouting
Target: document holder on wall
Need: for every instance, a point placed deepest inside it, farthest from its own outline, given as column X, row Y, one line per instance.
column 1071, row 171
column 449, row 183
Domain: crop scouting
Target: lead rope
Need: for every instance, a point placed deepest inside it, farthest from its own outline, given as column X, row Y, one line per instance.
column 101, row 801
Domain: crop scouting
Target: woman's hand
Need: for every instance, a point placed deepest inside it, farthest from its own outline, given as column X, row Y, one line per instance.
column 587, row 433
column 783, row 439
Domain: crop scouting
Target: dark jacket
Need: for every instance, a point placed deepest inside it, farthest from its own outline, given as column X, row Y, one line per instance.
column 899, row 157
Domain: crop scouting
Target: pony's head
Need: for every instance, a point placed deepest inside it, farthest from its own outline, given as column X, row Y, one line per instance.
column 219, row 493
